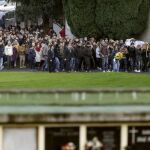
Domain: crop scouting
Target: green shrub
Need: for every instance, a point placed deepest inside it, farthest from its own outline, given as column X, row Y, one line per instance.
column 107, row 18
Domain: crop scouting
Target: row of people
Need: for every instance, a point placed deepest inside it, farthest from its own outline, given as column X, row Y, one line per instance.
column 30, row 48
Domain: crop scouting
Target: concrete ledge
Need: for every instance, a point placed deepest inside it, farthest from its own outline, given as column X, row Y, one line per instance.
column 91, row 114
column 74, row 118
column 99, row 90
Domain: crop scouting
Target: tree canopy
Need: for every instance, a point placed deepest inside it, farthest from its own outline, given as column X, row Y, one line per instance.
column 100, row 18
column 32, row 9
column 107, row 18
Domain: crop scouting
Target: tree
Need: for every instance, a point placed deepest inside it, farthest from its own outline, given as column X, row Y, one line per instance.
column 32, row 9
column 107, row 18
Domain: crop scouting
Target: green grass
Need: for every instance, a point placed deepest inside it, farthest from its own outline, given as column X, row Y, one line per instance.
column 35, row 80
column 9, row 80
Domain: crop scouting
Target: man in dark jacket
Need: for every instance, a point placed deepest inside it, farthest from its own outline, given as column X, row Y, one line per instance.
column 31, row 56
column 67, row 57
column 57, row 57
column 88, row 56
column 51, row 59
column 132, row 56
column 79, row 52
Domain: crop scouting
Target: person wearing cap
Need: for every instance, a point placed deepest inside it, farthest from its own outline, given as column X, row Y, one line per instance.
column 8, row 53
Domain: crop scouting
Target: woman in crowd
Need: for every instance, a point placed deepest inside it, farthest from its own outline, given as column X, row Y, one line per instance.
column 38, row 56
column 57, row 54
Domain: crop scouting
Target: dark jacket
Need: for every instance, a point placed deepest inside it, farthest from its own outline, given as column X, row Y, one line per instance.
column 57, row 51
column 131, row 51
column 79, row 52
column 1, row 50
column 15, row 54
column 67, row 52
column 31, row 54
column 50, row 55
column 87, row 52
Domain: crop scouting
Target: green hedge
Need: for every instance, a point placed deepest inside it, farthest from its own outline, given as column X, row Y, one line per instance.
column 107, row 18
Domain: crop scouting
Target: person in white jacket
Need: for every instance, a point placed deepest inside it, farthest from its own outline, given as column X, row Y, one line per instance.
column 8, row 52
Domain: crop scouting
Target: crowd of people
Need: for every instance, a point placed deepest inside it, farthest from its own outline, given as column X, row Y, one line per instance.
column 33, row 49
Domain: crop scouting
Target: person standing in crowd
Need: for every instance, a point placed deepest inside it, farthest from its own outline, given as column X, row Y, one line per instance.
column 51, row 58
column 104, row 55
column 138, row 59
column 38, row 55
column 44, row 51
column 144, row 54
column 132, row 57
column 62, row 56
column 93, row 58
column 57, row 56
column 98, row 57
column 111, row 54
column 1, row 54
column 87, row 56
column 15, row 54
column 22, row 53
column 67, row 56
column 73, row 57
column 8, row 53
column 80, row 56
column 124, row 60
column 31, row 56
column 116, row 62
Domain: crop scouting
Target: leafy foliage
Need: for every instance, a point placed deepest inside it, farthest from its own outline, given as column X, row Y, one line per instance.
column 32, row 9
column 107, row 18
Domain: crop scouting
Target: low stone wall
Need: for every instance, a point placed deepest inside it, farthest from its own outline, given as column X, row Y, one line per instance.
column 75, row 118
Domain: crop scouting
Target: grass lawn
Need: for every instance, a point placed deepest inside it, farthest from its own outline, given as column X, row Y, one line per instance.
column 9, row 80
column 35, row 80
